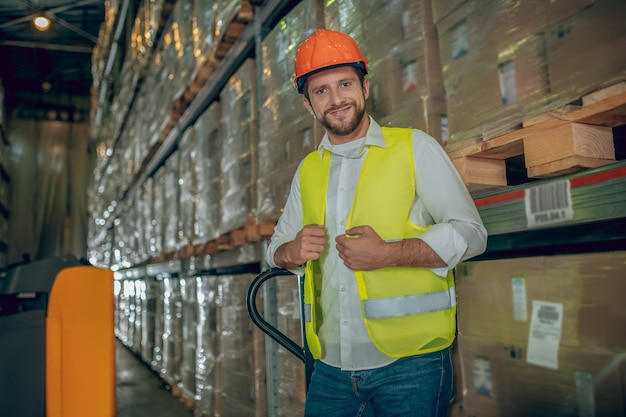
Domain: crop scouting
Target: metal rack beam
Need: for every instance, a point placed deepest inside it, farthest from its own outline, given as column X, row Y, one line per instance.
column 597, row 221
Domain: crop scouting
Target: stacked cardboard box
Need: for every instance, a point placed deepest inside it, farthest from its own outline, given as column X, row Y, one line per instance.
column 238, row 147
column 399, row 40
column 287, row 131
column 291, row 373
column 240, row 373
column 543, row 336
column 506, row 61
column 208, row 130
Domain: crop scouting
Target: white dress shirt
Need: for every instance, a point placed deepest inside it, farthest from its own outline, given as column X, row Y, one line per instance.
column 441, row 200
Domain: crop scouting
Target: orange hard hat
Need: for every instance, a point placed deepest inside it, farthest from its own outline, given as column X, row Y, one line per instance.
column 326, row 49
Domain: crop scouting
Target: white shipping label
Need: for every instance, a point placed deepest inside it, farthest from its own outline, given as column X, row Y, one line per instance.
column 459, row 41
column 409, row 77
column 545, row 334
column 518, row 286
column 445, row 134
column 482, row 377
column 548, row 204
column 508, row 87
column 585, row 394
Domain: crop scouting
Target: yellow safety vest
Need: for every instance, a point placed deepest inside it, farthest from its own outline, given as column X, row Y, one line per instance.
column 406, row 310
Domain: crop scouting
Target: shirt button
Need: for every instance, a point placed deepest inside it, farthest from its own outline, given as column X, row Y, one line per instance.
column 343, row 289
column 345, row 322
column 341, row 189
column 342, row 223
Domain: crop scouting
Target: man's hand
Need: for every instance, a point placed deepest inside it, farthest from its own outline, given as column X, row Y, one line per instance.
column 362, row 249
column 307, row 246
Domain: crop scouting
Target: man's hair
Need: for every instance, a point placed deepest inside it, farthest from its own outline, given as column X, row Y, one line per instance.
column 359, row 72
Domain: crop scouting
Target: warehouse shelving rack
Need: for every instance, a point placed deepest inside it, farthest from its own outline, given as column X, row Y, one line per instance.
column 595, row 198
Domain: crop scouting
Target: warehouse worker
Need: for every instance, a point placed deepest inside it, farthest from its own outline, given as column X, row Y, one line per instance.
column 376, row 218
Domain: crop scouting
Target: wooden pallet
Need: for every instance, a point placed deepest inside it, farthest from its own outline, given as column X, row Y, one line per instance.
column 232, row 32
column 250, row 233
column 559, row 142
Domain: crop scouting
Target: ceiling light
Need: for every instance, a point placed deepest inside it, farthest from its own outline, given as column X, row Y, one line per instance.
column 42, row 23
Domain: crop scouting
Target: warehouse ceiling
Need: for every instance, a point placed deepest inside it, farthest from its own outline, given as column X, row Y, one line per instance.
column 48, row 70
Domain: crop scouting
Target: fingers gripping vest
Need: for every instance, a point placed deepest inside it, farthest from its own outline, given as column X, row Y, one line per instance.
column 406, row 310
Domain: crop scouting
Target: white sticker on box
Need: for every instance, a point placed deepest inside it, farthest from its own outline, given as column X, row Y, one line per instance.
column 459, row 41
column 445, row 133
column 548, row 204
column 518, row 286
column 545, row 334
column 508, row 87
column 406, row 20
column 409, row 77
column 482, row 377
column 585, row 395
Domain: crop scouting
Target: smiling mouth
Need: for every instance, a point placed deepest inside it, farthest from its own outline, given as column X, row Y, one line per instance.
column 339, row 112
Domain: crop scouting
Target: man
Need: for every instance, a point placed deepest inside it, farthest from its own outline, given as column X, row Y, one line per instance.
column 377, row 218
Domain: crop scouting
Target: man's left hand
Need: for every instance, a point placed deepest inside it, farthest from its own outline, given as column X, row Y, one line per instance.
column 362, row 249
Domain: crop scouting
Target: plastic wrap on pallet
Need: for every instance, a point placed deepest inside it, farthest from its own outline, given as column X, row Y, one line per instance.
column 208, row 135
column 227, row 11
column 238, row 390
column 202, row 30
column 287, row 132
column 505, row 61
column 142, row 230
column 189, row 152
column 172, row 331
column 139, row 312
column 156, row 96
column 158, row 208
column 238, row 142
column 171, row 203
column 543, row 335
column 159, row 326
column 189, row 313
column 400, row 42
column 182, row 41
column 291, row 374
column 206, row 350
column 147, row 334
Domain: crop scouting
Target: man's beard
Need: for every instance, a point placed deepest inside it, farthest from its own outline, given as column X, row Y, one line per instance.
column 344, row 128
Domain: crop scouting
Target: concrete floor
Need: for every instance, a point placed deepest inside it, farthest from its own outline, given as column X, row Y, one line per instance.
column 140, row 392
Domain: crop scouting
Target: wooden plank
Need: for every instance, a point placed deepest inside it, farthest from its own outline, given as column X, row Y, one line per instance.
column 481, row 171
column 265, row 229
column 571, row 139
column 565, row 166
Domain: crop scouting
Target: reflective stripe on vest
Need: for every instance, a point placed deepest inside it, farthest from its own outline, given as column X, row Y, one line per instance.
column 409, row 304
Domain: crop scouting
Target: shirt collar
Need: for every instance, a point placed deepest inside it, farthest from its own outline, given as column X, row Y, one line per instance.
column 373, row 137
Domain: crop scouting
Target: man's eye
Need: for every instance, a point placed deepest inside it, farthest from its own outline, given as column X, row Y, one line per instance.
column 320, row 91
column 346, row 84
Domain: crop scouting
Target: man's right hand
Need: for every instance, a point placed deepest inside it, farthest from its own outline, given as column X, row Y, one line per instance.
column 307, row 246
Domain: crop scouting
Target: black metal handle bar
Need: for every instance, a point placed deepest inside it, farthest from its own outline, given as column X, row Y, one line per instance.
column 257, row 319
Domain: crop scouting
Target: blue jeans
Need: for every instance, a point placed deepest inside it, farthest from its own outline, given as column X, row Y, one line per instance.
column 415, row 386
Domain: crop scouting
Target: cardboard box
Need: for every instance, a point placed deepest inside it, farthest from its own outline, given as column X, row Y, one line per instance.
column 495, row 298
column 498, row 381
column 406, row 87
column 493, row 64
column 586, row 51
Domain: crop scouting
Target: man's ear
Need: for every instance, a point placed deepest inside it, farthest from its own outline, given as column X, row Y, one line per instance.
column 366, row 88
column 307, row 105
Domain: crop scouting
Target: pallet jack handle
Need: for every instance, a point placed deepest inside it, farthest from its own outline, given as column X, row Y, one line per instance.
column 266, row 327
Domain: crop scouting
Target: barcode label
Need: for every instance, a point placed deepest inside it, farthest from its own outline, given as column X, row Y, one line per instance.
column 549, row 203
column 548, row 313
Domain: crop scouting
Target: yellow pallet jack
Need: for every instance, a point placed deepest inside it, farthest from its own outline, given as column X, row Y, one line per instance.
column 57, row 341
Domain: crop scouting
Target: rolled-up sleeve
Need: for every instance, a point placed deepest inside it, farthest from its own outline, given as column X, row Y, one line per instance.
column 458, row 232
